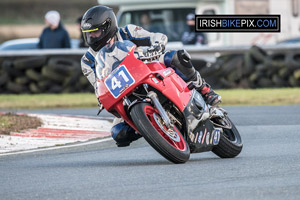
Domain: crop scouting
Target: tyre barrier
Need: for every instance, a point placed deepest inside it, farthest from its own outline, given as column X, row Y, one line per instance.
column 30, row 62
column 62, row 74
column 42, row 74
column 254, row 69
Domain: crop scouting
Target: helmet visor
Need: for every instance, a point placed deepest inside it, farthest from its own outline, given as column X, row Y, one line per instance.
column 94, row 35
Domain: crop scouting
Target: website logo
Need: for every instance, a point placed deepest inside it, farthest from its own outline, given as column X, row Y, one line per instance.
column 237, row 23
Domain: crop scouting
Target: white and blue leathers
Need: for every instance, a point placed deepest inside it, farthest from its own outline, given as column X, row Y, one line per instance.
column 135, row 34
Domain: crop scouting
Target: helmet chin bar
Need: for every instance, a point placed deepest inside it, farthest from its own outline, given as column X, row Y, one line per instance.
column 104, row 41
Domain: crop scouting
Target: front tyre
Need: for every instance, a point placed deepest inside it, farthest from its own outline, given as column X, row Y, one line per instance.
column 169, row 143
column 230, row 144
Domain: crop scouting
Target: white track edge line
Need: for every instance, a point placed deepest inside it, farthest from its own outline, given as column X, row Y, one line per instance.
column 54, row 148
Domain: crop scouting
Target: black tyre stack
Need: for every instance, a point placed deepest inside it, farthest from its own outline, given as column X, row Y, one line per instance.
column 62, row 74
column 42, row 74
column 254, row 69
column 226, row 72
column 272, row 70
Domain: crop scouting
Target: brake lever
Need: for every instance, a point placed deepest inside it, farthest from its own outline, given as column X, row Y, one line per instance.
column 101, row 107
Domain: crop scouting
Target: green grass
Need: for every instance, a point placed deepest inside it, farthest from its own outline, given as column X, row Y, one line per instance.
column 284, row 96
column 36, row 101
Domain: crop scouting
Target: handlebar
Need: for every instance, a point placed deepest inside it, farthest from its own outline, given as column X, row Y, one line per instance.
column 143, row 54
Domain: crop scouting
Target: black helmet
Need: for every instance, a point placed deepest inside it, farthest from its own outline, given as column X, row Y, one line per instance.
column 99, row 26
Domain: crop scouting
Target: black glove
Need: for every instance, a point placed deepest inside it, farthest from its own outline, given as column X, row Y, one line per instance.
column 157, row 47
column 154, row 51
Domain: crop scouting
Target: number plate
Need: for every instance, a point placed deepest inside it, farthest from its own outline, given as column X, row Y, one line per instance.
column 118, row 81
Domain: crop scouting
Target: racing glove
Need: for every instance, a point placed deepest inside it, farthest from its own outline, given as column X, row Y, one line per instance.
column 154, row 51
column 157, row 47
column 150, row 53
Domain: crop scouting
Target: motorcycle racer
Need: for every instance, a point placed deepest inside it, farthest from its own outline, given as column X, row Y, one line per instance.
column 99, row 27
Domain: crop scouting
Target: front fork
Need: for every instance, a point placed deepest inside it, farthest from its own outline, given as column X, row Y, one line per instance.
column 154, row 98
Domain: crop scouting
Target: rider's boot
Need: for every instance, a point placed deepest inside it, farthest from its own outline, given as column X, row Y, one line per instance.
column 181, row 60
column 123, row 134
column 209, row 95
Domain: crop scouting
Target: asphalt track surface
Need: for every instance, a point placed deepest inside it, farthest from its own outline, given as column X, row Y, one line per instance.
column 267, row 168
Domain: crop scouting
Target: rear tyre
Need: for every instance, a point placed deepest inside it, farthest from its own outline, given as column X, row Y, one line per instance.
column 230, row 144
column 169, row 143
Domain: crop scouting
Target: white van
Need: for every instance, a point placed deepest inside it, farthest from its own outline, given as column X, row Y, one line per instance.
column 169, row 17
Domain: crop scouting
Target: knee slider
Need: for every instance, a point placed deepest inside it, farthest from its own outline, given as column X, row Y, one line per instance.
column 184, row 57
column 182, row 61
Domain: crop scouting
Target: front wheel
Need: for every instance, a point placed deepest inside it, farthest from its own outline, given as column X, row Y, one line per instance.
column 168, row 142
column 230, row 144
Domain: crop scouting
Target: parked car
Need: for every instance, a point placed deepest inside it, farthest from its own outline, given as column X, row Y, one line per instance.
column 28, row 43
column 295, row 40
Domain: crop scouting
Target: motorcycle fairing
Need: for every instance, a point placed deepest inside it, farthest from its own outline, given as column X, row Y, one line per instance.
column 142, row 73
column 201, row 134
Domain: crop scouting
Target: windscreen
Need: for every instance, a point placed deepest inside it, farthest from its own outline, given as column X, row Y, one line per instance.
column 111, row 56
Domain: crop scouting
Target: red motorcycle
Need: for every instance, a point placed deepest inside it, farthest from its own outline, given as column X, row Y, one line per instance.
column 159, row 105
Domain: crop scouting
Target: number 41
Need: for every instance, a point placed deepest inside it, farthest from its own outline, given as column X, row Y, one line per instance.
column 116, row 83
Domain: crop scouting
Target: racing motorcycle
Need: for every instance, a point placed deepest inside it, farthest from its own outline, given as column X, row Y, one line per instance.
column 173, row 118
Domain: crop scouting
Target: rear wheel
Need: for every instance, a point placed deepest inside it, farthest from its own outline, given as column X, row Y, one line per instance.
column 168, row 142
column 230, row 144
